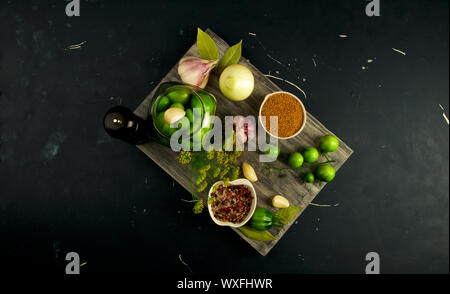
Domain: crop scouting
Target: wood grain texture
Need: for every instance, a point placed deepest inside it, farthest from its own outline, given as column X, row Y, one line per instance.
column 268, row 185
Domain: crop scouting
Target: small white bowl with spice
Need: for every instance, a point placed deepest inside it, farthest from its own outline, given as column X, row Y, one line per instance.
column 290, row 111
column 232, row 205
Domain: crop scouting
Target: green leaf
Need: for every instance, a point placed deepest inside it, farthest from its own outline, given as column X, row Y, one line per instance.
column 251, row 233
column 206, row 46
column 231, row 56
column 285, row 215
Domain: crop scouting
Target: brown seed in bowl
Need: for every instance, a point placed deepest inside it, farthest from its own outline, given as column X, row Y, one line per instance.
column 289, row 112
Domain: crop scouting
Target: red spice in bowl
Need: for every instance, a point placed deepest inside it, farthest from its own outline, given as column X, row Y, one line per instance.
column 232, row 203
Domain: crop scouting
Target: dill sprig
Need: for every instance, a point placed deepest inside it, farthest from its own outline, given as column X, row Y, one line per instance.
column 185, row 157
column 209, row 165
column 198, row 206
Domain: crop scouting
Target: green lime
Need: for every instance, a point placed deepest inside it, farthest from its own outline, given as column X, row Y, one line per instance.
column 180, row 95
column 325, row 173
column 295, row 160
column 177, row 105
column 272, row 151
column 163, row 104
column 328, row 143
column 309, row 177
column 310, row 154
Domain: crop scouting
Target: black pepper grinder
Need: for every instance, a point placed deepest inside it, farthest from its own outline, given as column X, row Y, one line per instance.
column 121, row 123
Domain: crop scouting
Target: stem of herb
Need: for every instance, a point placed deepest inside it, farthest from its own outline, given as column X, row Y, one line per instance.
column 192, row 188
column 326, row 156
column 325, row 162
column 306, row 165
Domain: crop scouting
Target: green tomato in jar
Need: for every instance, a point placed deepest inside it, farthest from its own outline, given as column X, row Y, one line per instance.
column 159, row 120
column 325, row 173
column 163, row 104
column 295, row 160
column 197, row 104
column 179, row 95
column 182, row 124
column 190, row 115
column 161, row 124
column 328, row 143
column 208, row 101
column 310, row 154
column 172, row 130
column 199, row 134
column 196, row 123
column 177, row 105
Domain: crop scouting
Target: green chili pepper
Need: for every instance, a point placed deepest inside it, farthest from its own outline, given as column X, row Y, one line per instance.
column 262, row 219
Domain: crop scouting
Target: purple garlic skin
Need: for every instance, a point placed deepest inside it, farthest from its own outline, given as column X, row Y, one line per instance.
column 245, row 129
column 195, row 71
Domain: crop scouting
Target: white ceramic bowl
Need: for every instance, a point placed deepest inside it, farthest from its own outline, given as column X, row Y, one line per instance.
column 244, row 182
column 303, row 109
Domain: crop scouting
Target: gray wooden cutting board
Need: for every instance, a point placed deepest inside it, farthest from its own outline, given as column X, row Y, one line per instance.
column 268, row 185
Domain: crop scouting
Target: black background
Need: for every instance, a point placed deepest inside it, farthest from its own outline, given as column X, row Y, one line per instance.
column 66, row 186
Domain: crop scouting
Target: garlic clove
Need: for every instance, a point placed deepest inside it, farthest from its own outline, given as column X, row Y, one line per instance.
column 174, row 114
column 249, row 172
column 279, row 201
column 195, row 71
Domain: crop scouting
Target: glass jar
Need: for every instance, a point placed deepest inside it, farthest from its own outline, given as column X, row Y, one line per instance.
column 186, row 97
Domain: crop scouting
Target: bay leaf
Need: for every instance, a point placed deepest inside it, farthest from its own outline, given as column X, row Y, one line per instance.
column 284, row 215
column 251, row 233
column 231, row 56
column 206, row 46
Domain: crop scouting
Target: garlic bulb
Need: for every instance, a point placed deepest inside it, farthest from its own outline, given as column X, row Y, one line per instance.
column 244, row 128
column 195, row 71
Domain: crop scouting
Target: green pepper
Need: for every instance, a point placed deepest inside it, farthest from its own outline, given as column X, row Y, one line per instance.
column 262, row 219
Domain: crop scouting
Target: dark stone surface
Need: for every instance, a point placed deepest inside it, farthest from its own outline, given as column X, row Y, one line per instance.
column 66, row 186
